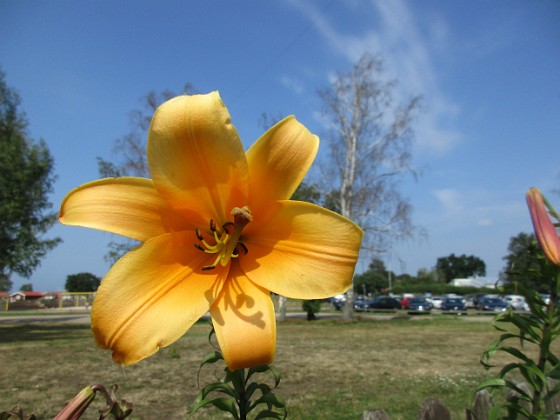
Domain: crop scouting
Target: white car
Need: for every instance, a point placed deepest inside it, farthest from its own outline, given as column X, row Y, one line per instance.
column 436, row 301
column 517, row 302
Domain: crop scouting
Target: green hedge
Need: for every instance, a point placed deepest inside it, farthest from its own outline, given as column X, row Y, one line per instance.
column 440, row 289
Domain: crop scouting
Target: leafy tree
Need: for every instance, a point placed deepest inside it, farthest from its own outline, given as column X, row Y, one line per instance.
column 463, row 266
column 522, row 268
column 423, row 275
column 27, row 287
column 82, row 282
column 374, row 279
column 370, row 143
column 26, row 179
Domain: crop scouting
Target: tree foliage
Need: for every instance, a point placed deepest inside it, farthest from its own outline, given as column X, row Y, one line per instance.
column 522, row 270
column 26, row 179
column 460, row 267
column 27, row 287
column 375, row 279
column 82, row 282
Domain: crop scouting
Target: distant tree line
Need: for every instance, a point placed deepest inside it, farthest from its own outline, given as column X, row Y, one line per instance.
column 521, row 272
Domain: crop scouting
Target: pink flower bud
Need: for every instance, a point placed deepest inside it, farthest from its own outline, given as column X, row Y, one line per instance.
column 546, row 232
column 77, row 406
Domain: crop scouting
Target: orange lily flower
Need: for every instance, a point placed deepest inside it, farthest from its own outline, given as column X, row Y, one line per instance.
column 218, row 233
column 546, row 232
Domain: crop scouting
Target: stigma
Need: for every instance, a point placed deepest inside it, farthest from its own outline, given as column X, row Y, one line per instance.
column 226, row 242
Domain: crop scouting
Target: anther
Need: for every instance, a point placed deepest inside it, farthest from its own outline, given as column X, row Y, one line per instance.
column 198, row 234
column 212, row 225
column 243, row 248
column 208, row 267
column 198, row 246
column 226, row 226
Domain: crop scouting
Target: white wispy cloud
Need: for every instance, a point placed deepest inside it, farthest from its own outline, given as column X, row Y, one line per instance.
column 474, row 207
column 450, row 200
column 293, row 84
column 408, row 56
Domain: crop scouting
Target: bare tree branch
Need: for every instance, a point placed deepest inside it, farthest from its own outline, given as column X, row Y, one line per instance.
column 370, row 152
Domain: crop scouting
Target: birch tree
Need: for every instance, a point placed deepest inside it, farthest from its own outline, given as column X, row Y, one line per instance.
column 370, row 142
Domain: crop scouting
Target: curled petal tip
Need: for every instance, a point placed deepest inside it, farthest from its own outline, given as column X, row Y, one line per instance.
column 545, row 231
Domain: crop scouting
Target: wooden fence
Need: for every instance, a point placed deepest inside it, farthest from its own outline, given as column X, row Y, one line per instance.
column 435, row 408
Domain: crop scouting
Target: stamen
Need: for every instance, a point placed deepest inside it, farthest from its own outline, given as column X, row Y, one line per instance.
column 243, row 247
column 227, row 242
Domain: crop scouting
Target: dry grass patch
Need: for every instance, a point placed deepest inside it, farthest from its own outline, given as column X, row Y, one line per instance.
column 330, row 368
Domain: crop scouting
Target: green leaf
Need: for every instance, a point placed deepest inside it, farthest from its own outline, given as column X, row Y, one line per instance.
column 218, row 387
column 515, row 352
column 508, row 368
column 211, row 357
column 265, row 368
column 522, row 393
column 271, row 398
column 491, row 383
column 237, row 378
column 253, row 386
column 223, row 404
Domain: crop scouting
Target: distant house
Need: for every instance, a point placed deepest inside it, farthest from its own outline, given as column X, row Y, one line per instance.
column 29, row 296
column 480, row 282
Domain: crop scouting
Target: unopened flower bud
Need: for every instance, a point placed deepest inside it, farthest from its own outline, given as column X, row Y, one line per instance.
column 75, row 408
column 546, row 232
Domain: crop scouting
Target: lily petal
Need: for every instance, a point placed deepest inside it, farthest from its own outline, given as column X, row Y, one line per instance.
column 545, row 230
column 278, row 162
column 126, row 206
column 245, row 322
column 303, row 252
column 196, row 158
column 152, row 296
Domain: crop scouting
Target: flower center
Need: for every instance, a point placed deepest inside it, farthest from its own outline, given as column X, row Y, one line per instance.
column 227, row 240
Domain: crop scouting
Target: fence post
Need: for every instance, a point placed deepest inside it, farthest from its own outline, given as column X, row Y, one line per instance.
column 481, row 405
column 434, row 409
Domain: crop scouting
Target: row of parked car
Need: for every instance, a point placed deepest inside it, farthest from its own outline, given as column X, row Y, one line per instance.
column 448, row 303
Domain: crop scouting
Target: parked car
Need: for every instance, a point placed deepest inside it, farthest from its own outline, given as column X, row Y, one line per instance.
column 517, row 302
column 338, row 301
column 492, row 303
column 419, row 305
column 470, row 301
column 404, row 302
column 436, row 301
column 454, row 304
column 384, row 302
column 361, row 305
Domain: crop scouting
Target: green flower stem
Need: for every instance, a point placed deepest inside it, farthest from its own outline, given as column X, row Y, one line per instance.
column 549, row 324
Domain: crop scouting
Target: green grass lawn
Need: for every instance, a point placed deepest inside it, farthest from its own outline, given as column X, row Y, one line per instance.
column 330, row 369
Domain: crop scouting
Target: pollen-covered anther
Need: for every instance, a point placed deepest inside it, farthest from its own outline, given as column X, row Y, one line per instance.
column 227, row 243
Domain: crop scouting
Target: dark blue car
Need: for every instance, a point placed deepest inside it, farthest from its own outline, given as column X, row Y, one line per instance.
column 419, row 305
column 454, row 304
column 492, row 303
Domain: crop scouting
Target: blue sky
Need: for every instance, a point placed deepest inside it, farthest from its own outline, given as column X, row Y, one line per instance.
column 488, row 72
